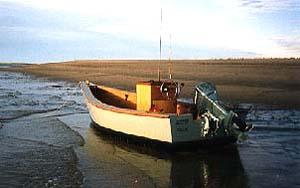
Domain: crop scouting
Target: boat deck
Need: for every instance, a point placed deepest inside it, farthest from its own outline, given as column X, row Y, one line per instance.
column 127, row 100
column 115, row 97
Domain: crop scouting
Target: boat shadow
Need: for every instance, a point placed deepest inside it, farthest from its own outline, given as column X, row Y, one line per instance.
column 219, row 167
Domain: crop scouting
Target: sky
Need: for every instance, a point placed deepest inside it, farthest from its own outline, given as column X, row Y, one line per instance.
column 39, row 31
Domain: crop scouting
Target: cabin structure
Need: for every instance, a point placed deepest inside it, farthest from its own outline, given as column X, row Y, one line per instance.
column 156, row 96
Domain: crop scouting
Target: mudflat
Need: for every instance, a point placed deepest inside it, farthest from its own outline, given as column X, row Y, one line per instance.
column 271, row 82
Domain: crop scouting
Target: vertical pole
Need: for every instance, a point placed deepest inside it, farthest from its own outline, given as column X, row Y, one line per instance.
column 160, row 45
column 170, row 62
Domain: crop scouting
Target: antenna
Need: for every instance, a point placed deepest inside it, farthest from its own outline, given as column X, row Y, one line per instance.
column 160, row 44
column 170, row 62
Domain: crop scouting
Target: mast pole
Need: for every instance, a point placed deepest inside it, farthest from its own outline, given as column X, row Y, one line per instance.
column 170, row 62
column 160, row 45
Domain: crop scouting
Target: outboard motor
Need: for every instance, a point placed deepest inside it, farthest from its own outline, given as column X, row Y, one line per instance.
column 206, row 101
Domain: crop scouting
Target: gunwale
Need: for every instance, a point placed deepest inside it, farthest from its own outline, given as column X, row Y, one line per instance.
column 88, row 94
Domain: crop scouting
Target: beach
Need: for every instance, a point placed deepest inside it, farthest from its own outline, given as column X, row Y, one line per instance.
column 271, row 82
column 48, row 140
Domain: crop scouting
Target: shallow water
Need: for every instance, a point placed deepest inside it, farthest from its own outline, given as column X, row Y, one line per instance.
column 46, row 139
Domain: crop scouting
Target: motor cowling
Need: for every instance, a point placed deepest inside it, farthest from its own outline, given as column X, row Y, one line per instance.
column 206, row 100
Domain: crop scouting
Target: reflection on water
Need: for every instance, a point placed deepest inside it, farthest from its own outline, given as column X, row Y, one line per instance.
column 221, row 168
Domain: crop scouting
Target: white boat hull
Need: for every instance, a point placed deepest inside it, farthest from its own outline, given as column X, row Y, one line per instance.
column 143, row 126
column 167, row 128
column 171, row 129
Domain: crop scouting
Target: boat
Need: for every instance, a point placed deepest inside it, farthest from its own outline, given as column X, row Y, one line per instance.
column 156, row 114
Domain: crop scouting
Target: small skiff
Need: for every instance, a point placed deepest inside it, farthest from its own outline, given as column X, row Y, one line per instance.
column 155, row 114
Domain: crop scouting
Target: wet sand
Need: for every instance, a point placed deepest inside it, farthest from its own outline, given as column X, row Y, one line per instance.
column 47, row 140
column 37, row 149
column 29, row 159
column 273, row 82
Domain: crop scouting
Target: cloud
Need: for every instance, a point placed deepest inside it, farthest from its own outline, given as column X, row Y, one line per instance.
column 133, row 27
column 290, row 43
column 252, row 3
column 270, row 5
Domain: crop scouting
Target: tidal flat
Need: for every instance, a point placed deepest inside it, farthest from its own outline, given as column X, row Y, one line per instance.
column 47, row 140
column 272, row 82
